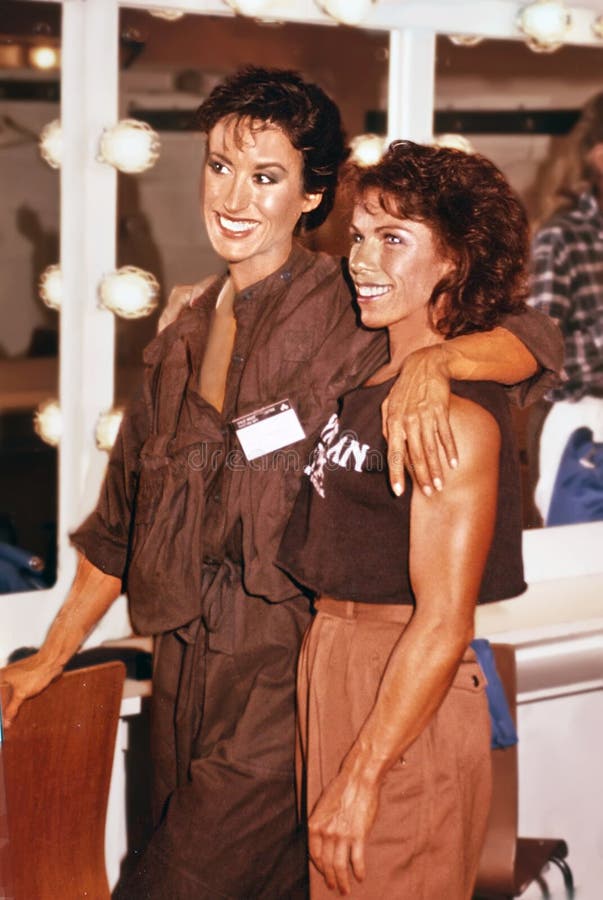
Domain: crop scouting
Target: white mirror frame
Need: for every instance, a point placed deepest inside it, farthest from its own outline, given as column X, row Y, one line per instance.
column 89, row 97
column 563, row 563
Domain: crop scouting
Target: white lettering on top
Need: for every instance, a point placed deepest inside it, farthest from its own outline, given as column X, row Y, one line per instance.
column 340, row 453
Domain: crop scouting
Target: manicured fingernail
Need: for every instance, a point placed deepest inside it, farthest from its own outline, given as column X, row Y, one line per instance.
column 398, row 489
column 454, row 462
column 437, row 483
column 427, row 490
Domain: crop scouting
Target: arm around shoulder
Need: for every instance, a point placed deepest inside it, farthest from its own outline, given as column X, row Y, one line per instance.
column 181, row 296
column 417, row 424
column 542, row 338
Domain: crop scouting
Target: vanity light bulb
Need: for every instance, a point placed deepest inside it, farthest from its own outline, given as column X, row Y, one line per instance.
column 51, row 144
column 545, row 23
column 367, row 149
column 253, row 8
column 455, row 142
column 107, row 428
column 466, row 40
column 44, row 57
column 598, row 27
column 129, row 292
column 50, row 287
column 170, row 15
column 48, row 422
column 537, row 47
column 348, row 12
column 131, row 146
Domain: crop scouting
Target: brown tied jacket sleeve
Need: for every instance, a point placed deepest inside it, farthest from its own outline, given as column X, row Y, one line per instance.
column 147, row 437
column 103, row 536
column 544, row 340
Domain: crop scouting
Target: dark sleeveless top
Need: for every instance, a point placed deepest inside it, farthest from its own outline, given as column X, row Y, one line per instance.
column 348, row 535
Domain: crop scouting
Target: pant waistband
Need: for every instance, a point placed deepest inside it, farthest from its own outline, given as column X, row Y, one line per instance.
column 353, row 609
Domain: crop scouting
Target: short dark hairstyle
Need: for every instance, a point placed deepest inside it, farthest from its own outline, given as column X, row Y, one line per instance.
column 309, row 118
column 476, row 218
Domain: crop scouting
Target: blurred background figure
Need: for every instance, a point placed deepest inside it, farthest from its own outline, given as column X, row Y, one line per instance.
column 566, row 443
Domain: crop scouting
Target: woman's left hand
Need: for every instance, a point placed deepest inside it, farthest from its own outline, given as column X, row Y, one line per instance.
column 338, row 827
column 181, row 296
column 415, row 418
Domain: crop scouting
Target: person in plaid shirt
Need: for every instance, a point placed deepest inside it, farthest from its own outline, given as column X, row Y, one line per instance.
column 567, row 284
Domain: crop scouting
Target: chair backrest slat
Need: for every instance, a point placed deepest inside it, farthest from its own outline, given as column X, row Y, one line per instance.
column 57, row 758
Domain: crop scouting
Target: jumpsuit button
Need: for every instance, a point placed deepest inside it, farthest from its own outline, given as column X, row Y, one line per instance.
column 211, row 561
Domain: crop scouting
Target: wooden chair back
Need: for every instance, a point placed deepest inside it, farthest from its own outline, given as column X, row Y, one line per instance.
column 57, row 758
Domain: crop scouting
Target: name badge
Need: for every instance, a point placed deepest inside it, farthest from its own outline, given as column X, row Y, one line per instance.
column 268, row 429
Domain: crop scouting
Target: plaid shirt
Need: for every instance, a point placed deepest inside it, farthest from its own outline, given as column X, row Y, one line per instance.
column 567, row 284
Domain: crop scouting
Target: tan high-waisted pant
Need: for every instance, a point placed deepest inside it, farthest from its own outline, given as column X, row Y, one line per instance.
column 426, row 840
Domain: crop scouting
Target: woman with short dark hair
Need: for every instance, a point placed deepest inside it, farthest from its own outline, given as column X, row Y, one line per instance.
column 264, row 98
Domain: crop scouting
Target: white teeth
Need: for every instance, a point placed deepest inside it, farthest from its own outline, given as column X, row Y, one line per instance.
column 237, row 226
column 371, row 290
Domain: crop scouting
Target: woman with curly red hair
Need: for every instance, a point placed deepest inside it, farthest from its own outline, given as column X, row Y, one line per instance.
column 393, row 716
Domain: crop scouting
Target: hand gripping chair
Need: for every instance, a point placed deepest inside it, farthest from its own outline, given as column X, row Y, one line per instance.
column 510, row 863
column 57, row 759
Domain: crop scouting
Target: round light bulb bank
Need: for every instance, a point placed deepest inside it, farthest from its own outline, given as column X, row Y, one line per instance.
column 51, row 144
column 367, row 149
column 347, row 12
column 48, row 423
column 44, row 57
column 454, row 142
column 169, row 15
column 129, row 292
column 252, row 8
column 545, row 23
column 537, row 47
column 131, row 146
column 50, row 287
column 107, row 428
column 466, row 40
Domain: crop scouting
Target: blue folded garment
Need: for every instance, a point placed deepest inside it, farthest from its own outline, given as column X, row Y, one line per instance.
column 503, row 727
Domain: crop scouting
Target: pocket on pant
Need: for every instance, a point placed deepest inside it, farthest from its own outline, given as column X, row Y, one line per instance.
column 469, row 677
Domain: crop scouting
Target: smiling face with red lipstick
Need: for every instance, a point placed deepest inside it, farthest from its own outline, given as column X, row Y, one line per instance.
column 438, row 245
column 396, row 264
column 253, row 196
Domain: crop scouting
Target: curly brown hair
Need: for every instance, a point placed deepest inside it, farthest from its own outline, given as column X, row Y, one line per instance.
column 478, row 222
column 306, row 114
